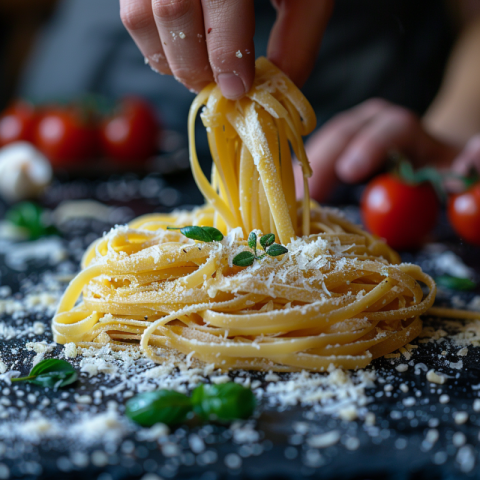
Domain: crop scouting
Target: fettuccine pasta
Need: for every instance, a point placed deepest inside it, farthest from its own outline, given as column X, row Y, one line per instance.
column 338, row 297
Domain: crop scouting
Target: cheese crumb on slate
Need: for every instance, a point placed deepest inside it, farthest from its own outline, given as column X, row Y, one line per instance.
column 70, row 350
column 435, row 377
column 324, row 440
column 460, row 417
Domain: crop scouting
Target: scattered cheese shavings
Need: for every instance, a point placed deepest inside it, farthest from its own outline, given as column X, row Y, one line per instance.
column 70, row 350
column 435, row 377
column 324, row 440
column 460, row 417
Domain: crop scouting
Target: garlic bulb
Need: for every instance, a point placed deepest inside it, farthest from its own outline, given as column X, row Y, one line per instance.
column 24, row 172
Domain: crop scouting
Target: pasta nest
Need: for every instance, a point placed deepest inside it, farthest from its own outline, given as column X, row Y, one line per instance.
column 333, row 299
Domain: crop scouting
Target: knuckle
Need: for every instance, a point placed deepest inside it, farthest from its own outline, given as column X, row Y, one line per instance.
column 376, row 104
column 135, row 17
column 402, row 117
column 170, row 10
column 222, row 58
column 191, row 76
column 339, row 121
column 216, row 5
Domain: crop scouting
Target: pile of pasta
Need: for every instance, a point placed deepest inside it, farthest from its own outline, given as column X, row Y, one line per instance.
column 338, row 297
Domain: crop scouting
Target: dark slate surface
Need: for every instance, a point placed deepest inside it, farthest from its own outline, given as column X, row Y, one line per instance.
column 393, row 448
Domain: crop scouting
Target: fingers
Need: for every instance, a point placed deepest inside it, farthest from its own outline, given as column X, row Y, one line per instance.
column 180, row 26
column 327, row 146
column 296, row 35
column 469, row 157
column 196, row 40
column 230, row 26
column 355, row 144
column 394, row 128
column 137, row 17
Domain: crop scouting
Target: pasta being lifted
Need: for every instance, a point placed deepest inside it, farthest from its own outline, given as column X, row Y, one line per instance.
column 338, row 297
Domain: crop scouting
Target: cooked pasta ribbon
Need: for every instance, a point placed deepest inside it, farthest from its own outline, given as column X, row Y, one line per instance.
column 339, row 297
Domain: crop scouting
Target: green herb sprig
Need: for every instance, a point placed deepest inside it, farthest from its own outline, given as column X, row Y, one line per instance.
column 225, row 402
column 203, row 234
column 32, row 219
column 52, row 373
column 455, row 283
column 246, row 258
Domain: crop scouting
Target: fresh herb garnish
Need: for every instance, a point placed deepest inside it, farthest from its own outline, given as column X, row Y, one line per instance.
column 245, row 259
column 30, row 217
column 267, row 240
column 455, row 283
column 203, row 234
column 161, row 406
column 51, row 373
column 225, row 402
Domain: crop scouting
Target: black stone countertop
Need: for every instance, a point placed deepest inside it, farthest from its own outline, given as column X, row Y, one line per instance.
column 396, row 446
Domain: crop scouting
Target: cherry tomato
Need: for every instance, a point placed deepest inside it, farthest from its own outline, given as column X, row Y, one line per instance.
column 17, row 123
column 464, row 214
column 131, row 134
column 400, row 213
column 66, row 136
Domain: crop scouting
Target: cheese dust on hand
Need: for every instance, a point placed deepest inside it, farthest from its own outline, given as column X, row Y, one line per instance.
column 334, row 296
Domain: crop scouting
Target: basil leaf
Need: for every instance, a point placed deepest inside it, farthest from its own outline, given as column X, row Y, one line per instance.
column 51, row 365
column 227, row 401
column 202, row 234
column 455, row 283
column 29, row 216
column 52, row 373
column 214, row 233
column 55, row 379
column 267, row 240
column 196, row 233
column 161, row 406
column 244, row 259
column 252, row 240
column 276, row 249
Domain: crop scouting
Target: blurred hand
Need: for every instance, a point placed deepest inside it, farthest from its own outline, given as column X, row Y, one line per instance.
column 355, row 144
column 199, row 41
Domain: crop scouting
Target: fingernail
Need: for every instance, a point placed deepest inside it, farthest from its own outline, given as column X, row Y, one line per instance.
column 231, row 85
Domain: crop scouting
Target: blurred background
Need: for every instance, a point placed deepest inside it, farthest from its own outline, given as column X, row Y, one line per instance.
column 60, row 49
column 77, row 68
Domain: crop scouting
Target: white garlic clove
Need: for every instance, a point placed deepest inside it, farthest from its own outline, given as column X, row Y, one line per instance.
column 24, row 172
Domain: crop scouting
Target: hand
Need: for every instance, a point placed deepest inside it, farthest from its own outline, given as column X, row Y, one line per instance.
column 354, row 145
column 199, row 41
column 469, row 157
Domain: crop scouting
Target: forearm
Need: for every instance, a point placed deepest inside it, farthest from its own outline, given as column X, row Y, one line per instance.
column 454, row 116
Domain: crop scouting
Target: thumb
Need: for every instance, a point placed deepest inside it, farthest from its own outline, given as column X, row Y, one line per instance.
column 296, row 35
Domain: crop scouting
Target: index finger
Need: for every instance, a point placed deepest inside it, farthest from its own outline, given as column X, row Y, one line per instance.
column 229, row 30
column 296, row 35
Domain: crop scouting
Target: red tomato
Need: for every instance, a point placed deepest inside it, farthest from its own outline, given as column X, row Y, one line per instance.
column 464, row 214
column 132, row 133
column 65, row 137
column 400, row 213
column 17, row 123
